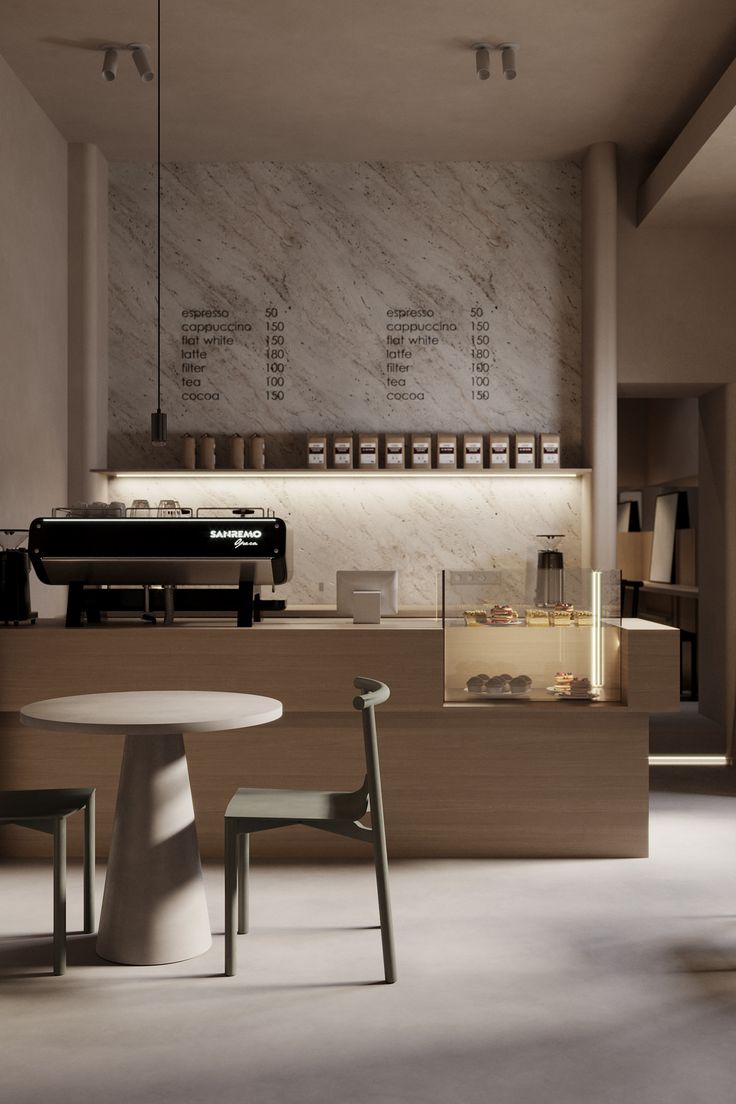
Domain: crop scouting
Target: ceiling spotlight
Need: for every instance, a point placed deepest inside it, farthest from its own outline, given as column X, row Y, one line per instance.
column 483, row 51
column 482, row 60
column 140, row 57
column 508, row 59
column 109, row 63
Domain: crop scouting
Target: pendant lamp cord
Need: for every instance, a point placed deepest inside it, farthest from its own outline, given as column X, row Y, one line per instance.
column 158, row 206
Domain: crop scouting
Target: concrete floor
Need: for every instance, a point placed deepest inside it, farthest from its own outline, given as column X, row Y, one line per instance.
column 599, row 982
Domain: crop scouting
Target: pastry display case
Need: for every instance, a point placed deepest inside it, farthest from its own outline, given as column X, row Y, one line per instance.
column 501, row 644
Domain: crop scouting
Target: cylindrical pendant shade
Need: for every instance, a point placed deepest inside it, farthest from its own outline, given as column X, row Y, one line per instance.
column 158, row 428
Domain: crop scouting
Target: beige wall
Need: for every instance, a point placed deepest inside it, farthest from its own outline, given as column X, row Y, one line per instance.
column 677, row 336
column 676, row 294
column 716, row 554
column 33, row 315
column 657, row 442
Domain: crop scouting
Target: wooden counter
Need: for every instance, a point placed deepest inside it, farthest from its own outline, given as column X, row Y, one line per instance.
column 522, row 779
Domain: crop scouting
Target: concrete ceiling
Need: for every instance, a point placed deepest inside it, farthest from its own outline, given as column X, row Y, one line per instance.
column 372, row 79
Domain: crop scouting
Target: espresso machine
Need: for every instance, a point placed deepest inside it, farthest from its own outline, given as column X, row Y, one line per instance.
column 122, row 565
column 550, row 571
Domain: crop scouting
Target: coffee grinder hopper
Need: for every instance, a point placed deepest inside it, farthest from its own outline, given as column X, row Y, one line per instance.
column 550, row 571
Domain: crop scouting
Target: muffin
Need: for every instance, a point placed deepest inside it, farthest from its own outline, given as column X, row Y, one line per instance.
column 476, row 684
column 497, row 684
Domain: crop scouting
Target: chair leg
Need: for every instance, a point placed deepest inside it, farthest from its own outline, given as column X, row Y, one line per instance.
column 384, row 908
column 60, row 895
column 231, row 878
column 243, row 887
column 89, row 865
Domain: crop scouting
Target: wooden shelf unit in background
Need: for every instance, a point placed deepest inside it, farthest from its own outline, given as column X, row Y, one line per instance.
column 634, row 553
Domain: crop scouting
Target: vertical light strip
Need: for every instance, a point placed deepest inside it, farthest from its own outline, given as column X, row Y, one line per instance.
column 596, row 645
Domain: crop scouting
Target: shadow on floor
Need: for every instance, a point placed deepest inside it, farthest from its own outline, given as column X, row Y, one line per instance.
column 31, row 956
column 711, row 968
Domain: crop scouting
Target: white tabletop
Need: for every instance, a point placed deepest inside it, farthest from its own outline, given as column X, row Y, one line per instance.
column 152, row 712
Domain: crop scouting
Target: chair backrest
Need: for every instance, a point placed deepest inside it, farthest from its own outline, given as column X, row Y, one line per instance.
column 374, row 693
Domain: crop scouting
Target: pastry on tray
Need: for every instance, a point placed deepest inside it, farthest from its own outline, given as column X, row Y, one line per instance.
column 476, row 684
column 536, row 616
column 561, row 614
column 503, row 615
column 563, row 680
column 474, row 616
column 580, row 688
column 498, row 685
column 583, row 617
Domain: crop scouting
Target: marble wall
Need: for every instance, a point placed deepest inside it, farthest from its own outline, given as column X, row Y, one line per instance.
column 324, row 262
column 342, row 252
column 382, row 522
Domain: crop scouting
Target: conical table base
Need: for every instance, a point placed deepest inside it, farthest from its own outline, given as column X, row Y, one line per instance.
column 154, row 908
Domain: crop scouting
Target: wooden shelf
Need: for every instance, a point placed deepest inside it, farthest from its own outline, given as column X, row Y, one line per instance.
column 671, row 590
column 304, row 473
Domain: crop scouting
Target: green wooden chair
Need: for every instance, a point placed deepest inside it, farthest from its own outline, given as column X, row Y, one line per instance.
column 47, row 811
column 257, row 810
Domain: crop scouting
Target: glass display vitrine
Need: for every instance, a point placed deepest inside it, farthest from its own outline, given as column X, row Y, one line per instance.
column 501, row 646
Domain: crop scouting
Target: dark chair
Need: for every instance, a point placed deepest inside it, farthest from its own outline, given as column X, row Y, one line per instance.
column 256, row 810
column 47, row 811
column 633, row 585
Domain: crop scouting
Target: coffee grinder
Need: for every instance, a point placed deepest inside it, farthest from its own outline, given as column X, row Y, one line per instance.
column 550, row 571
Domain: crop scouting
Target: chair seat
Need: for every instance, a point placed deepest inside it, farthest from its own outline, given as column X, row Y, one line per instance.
column 29, row 804
column 297, row 805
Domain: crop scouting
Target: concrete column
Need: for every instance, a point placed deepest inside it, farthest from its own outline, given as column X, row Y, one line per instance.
column 87, row 322
column 716, row 558
column 600, row 228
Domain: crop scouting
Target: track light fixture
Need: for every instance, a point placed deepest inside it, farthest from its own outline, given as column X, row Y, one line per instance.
column 109, row 63
column 483, row 52
column 139, row 52
column 140, row 56
column 482, row 61
column 508, row 59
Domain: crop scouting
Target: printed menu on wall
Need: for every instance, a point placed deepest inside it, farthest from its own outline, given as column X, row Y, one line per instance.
column 345, row 297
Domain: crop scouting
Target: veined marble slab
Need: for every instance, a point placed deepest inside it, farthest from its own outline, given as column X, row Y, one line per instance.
column 384, row 522
column 333, row 248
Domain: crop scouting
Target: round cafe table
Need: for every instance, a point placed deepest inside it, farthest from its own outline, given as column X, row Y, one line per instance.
column 154, row 908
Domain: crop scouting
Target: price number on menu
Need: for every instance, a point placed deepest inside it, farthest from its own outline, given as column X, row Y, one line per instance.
column 480, row 354
column 277, row 356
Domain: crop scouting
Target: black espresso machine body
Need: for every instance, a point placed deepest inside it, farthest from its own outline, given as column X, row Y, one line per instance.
column 161, row 552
